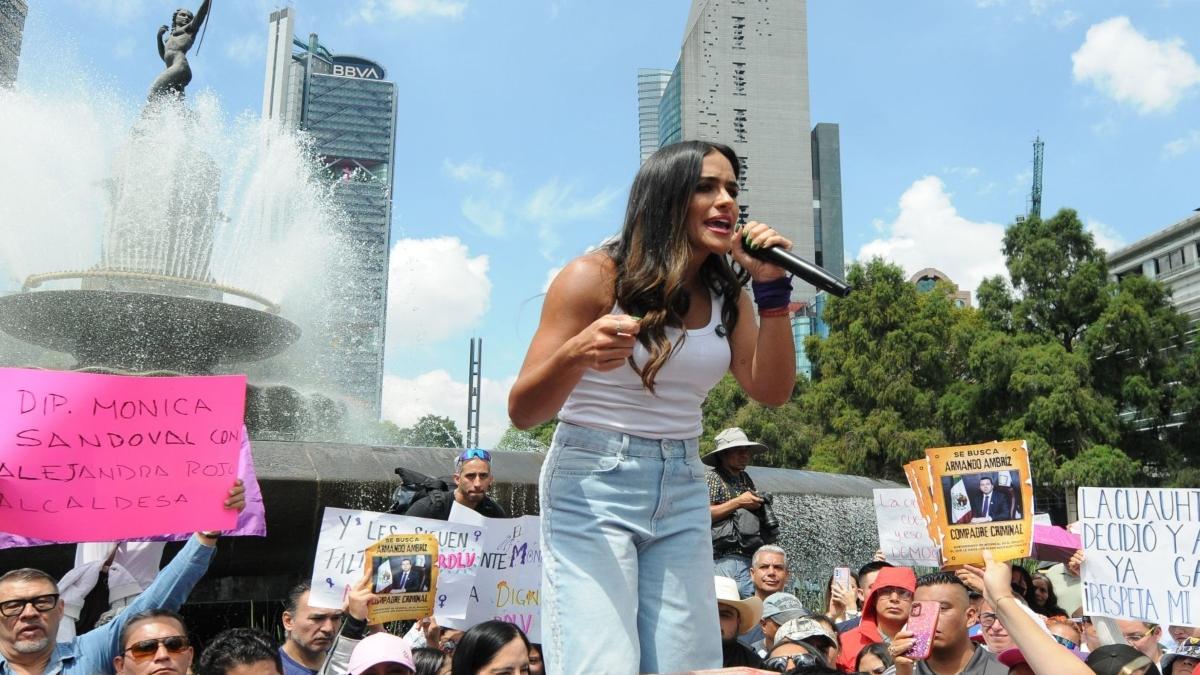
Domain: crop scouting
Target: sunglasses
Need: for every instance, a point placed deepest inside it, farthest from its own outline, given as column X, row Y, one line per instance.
column 782, row 664
column 42, row 603
column 474, row 453
column 146, row 649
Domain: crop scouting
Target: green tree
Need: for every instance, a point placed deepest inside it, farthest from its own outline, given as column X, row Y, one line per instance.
column 892, row 354
column 1059, row 275
column 432, row 431
column 536, row 439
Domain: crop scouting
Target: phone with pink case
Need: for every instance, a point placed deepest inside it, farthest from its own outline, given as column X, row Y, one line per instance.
column 841, row 577
column 922, row 623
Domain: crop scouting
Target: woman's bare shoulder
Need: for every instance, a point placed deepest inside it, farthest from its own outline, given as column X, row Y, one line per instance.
column 590, row 277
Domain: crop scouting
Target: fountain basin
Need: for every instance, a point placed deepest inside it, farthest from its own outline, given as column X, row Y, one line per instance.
column 139, row 332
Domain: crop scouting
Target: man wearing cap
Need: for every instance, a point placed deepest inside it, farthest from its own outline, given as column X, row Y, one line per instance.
column 778, row 609
column 736, row 617
column 806, row 631
column 381, row 654
column 472, row 479
column 734, row 507
column 1183, row 659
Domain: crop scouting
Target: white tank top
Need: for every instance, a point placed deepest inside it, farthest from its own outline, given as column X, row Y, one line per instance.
column 616, row 400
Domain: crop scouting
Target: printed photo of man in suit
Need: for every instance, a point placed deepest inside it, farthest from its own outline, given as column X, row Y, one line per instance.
column 990, row 505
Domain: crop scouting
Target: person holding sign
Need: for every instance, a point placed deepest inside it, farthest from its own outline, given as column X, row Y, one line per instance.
column 951, row 650
column 631, row 339
column 31, row 610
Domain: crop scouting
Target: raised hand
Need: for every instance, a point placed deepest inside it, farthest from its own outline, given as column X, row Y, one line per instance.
column 607, row 342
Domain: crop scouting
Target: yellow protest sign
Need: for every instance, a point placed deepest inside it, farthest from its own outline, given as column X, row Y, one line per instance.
column 404, row 573
column 983, row 500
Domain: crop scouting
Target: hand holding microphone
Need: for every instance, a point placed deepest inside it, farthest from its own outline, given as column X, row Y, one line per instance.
column 765, row 245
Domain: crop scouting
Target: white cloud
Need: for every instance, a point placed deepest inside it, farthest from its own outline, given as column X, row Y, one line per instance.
column 488, row 210
column 1065, row 19
column 1182, row 145
column 1105, row 236
column 929, row 232
column 1105, row 127
column 405, row 400
column 487, row 213
column 372, row 10
column 473, row 170
column 555, row 204
column 1151, row 75
column 245, row 49
column 435, row 290
column 964, row 171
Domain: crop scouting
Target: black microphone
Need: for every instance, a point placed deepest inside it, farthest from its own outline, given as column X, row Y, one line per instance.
column 817, row 276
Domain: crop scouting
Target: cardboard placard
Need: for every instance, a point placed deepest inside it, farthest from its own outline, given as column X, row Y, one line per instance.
column 404, row 574
column 903, row 536
column 982, row 500
column 88, row 457
column 1141, row 554
column 347, row 534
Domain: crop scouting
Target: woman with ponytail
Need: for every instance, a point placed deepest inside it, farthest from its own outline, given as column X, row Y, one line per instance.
column 631, row 339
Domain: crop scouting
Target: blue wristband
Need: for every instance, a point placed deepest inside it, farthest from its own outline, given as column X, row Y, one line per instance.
column 772, row 294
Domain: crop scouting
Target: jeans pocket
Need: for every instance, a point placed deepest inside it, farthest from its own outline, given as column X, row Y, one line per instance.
column 697, row 467
column 573, row 460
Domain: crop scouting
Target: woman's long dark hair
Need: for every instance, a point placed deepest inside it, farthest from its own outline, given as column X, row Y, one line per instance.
column 480, row 644
column 652, row 253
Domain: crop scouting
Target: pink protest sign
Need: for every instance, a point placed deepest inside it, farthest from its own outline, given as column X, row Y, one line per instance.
column 87, row 457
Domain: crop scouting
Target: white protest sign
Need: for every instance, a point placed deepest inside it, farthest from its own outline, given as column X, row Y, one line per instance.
column 903, row 536
column 1141, row 554
column 508, row 583
column 346, row 534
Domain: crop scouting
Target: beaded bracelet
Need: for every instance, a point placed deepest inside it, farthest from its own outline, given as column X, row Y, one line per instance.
column 772, row 294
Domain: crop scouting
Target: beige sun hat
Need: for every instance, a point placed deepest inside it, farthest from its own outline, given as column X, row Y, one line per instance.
column 749, row 610
column 730, row 438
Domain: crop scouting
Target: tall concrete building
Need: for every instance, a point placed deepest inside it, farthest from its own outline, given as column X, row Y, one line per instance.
column 1170, row 255
column 348, row 107
column 651, row 83
column 742, row 80
column 827, row 197
column 12, row 25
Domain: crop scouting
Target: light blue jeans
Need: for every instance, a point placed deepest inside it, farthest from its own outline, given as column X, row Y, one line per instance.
column 736, row 567
column 627, row 582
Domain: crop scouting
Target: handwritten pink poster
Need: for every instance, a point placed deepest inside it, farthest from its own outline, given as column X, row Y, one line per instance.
column 87, row 457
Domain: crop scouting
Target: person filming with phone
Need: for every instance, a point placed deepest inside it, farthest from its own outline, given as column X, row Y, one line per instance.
column 950, row 650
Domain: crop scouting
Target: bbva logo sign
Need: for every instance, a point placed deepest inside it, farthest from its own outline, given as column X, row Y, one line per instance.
column 351, row 66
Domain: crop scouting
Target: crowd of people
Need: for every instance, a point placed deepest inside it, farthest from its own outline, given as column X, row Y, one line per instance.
column 994, row 620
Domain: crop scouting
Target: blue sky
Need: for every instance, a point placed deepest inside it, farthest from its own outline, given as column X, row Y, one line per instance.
column 517, row 136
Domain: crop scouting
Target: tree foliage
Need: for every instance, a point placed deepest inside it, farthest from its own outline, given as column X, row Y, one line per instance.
column 430, row 431
column 1095, row 374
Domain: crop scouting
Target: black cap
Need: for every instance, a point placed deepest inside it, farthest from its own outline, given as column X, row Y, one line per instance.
column 1119, row 660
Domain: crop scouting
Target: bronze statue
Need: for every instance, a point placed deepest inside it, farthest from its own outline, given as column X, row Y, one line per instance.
column 174, row 50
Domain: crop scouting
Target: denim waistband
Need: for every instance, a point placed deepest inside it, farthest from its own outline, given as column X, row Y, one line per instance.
column 625, row 445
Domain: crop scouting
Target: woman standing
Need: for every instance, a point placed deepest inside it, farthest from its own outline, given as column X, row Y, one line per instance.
column 631, row 339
